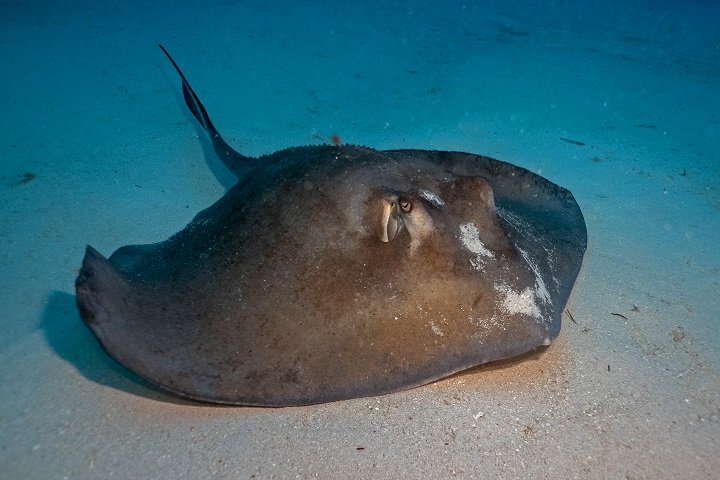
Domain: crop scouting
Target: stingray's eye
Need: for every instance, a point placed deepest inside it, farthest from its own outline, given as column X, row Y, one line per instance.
column 406, row 205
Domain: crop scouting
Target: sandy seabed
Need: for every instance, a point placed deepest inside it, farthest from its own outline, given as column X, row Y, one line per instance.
column 98, row 147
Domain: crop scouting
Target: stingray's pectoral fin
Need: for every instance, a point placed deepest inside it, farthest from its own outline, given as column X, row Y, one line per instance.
column 91, row 283
column 232, row 159
column 110, row 305
column 102, row 295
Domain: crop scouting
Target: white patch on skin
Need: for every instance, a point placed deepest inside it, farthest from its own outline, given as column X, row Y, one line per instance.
column 551, row 257
column 519, row 302
column 436, row 330
column 541, row 290
column 470, row 238
column 431, row 197
column 511, row 218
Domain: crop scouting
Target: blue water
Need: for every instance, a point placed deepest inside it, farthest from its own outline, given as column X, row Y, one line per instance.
column 98, row 147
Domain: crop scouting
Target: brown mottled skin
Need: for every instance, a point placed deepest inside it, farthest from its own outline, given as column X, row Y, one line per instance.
column 326, row 274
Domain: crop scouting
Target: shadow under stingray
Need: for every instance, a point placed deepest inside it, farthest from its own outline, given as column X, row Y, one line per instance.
column 73, row 342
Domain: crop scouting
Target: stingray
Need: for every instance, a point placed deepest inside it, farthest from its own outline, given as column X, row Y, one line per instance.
column 332, row 272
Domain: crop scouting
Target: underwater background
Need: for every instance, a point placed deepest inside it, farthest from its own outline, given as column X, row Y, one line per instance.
column 617, row 101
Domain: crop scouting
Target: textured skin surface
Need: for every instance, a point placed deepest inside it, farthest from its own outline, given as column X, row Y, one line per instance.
column 282, row 293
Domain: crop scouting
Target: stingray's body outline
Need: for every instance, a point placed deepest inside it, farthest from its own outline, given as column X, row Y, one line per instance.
column 334, row 272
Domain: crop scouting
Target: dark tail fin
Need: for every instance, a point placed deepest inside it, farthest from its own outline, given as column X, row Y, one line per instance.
column 232, row 159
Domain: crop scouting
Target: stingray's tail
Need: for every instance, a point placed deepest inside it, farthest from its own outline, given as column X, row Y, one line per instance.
column 232, row 159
